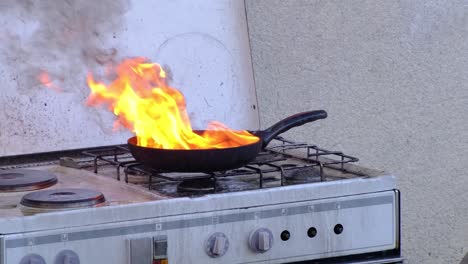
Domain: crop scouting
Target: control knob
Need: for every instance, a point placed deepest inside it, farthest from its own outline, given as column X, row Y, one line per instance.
column 217, row 245
column 32, row 259
column 67, row 257
column 261, row 240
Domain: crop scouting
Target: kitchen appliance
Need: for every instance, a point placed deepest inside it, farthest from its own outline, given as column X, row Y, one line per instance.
column 294, row 202
column 64, row 200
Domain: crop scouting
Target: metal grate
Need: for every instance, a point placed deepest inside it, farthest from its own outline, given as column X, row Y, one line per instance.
column 274, row 159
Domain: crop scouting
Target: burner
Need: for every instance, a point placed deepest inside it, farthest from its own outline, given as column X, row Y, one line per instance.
column 63, row 198
column 298, row 175
column 201, row 185
column 223, row 185
column 19, row 180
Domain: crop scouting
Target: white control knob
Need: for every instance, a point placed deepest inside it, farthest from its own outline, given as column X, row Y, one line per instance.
column 67, row 257
column 32, row 259
column 261, row 240
column 217, row 245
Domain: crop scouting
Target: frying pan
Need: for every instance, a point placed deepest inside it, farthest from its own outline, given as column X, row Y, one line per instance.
column 209, row 160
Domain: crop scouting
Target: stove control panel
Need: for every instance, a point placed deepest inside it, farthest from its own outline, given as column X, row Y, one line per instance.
column 275, row 233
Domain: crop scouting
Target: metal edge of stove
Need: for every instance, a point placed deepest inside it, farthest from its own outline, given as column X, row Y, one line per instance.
column 398, row 224
column 197, row 205
column 384, row 260
column 392, row 260
column 2, row 249
column 397, row 260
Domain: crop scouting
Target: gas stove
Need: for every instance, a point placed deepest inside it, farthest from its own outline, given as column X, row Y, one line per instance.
column 70, row 194
column 295, row 202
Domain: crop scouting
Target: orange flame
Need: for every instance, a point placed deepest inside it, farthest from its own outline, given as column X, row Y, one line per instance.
column 156, row 112
column 44, row 78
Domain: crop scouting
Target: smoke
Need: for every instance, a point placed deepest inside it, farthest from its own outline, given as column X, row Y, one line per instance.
column 66, row 38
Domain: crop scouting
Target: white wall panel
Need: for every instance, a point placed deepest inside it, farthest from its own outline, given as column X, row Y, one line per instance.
column 204, row 44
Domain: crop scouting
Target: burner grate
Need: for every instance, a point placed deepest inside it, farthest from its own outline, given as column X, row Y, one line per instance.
column 119, row 156
column 285, row 158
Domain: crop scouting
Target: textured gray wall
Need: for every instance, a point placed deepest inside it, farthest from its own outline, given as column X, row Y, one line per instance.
column 393, row 76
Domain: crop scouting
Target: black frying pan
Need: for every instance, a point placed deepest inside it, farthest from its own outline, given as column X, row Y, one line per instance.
column 208, row 160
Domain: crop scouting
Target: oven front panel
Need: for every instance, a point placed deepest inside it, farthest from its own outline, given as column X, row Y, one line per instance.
column 278, row 233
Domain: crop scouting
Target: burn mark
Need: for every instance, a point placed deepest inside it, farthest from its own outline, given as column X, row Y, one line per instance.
column 101, row 57
column 169, row 74
column 66, row 38
column 206, row 102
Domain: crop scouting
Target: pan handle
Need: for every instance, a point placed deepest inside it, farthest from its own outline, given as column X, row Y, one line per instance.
column 293, row 121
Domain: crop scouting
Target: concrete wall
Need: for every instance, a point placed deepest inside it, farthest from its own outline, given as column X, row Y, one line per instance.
column 393, row 76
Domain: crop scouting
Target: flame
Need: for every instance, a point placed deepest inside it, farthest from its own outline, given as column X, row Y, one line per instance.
column 44, row 78
column 145, row 104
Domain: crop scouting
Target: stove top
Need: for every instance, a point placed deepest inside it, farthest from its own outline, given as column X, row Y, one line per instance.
column 284, row 163
column 110, row 176
column 303, row 197
column 51, row 187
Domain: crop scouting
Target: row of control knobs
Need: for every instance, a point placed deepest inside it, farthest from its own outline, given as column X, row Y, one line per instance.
column 260, row 241
column 64, row 257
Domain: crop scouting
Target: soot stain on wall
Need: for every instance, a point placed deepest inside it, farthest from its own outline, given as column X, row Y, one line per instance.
column 66, row 38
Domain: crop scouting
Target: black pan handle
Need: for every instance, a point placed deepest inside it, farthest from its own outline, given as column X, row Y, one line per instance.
column 293, row 121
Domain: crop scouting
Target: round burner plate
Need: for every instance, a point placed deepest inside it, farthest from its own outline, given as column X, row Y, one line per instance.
column 63, row 198
column 20, row 180
column 202, row 185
